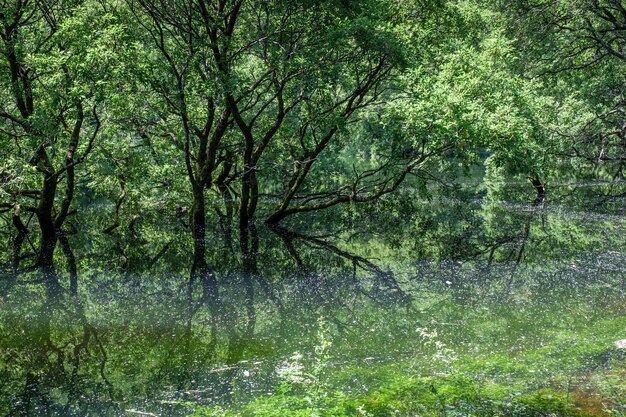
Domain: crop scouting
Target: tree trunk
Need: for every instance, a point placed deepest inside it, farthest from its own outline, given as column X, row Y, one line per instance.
column 539, row 187
column 22, row 231
column 71, row 263
column 45, row 261
column 199, row 268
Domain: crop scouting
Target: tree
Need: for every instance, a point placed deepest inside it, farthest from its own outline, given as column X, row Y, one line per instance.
column 49, row 113
column 187, row 43
column 578, row 48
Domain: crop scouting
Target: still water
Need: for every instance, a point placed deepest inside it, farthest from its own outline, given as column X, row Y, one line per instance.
column 465, row 305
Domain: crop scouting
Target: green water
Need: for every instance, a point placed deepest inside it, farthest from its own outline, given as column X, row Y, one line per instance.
column 475, row 307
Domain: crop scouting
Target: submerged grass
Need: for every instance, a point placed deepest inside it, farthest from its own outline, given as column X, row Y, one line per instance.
column 541, row 360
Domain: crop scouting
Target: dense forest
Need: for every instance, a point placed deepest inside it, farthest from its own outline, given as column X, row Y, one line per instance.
column 248, row 207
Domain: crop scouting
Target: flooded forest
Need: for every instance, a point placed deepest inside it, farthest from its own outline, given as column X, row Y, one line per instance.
column 312, row 208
